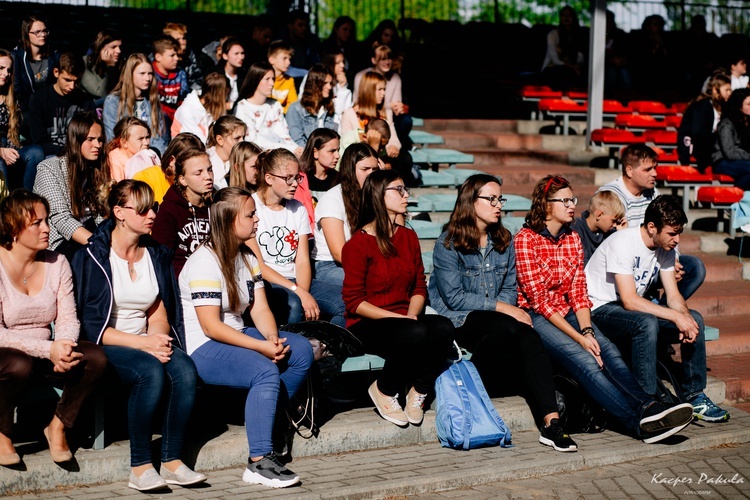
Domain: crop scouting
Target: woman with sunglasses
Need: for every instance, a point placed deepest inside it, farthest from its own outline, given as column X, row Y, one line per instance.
column 282, row 242
column 552, row 288
column 385, row 291
column 473, row 283
column 129, row 304
column 34, row 61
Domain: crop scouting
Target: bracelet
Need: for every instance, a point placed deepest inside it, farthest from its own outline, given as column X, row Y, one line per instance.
column 588, row 331
column 294, row 288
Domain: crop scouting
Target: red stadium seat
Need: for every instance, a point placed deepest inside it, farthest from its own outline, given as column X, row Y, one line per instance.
column 615, row 136
column 720, row 195
column 720, row 178
column 539, row 92
column 663, row 138
column 673, row 121
column 612, row 107
column 639, row 122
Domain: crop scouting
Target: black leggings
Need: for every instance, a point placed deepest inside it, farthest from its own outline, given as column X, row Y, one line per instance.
column 501, row 347
column 415, row 352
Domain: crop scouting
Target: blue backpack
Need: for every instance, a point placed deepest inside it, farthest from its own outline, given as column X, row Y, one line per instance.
column 465, row 417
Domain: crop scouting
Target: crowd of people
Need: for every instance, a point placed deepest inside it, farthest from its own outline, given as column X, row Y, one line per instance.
column 168, row 220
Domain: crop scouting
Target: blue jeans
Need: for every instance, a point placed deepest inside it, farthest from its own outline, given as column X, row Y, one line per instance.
column 287, row 307
column 613, row 386
column 233, row 366
column 148, row 380
column 23, row 172
column 695, row 275
column 329, row 271
column 739, row 170
column 641, row 333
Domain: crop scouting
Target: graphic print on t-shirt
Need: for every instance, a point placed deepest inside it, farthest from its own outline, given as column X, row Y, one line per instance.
column 280, row 244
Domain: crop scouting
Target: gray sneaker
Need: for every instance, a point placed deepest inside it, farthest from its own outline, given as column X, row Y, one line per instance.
column 269, row 472
column 183, row 476
column 149, row 480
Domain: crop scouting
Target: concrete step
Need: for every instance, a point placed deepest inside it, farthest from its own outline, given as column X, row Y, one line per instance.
column 722, row 299
column 385, row 470
column 734, row 370
column 533, row 171
column 499, row 140
column 516, row 158
column 437, row 126
column 734, row 336
column 720, row 267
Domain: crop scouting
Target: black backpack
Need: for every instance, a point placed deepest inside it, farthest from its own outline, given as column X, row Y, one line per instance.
column 579, row 413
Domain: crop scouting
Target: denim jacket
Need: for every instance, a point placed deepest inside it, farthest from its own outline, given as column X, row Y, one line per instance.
column 464, row 282
column 302, row 123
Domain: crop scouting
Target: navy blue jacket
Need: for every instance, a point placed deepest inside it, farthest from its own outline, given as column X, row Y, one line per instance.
column 23, row 79
column 92, row 278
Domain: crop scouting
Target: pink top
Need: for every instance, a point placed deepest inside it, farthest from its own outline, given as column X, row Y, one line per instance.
column 25, row 320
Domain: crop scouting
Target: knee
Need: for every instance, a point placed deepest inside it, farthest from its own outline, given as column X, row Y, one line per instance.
column 698, row 318
column 301, row 353
column 93, row 357
column 647, row 327
column 16, row 365
column 33, row 155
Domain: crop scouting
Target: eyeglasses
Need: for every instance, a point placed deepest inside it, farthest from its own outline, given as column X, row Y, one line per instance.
column 567, row 202
column 44, row 32
column 494, row 200
column 402, row 190
column 289, row 179
column 143, row 213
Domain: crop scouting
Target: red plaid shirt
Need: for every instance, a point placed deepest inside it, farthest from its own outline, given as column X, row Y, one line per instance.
column 550, row 273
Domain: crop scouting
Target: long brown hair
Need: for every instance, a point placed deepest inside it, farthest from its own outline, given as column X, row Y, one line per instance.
column 214, row 95
column 14, row 123
column 88, row 180
column 312, row 96
column 126, row 90
column 94, row 59
column 373, row 209
column 26, row 25
column 179, row 170
column 242, row 152
column 462, row 226
column 547, row 187
column 351, row 192
column 367, row 108
column 223, row 240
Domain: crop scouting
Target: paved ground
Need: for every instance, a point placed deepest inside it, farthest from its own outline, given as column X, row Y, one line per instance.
column 722, row 472
column 609, row 465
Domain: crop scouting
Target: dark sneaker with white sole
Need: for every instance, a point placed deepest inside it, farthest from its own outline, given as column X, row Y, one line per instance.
column 659, row 417
column 655, row 437
column 553, row 435
column 269, row 471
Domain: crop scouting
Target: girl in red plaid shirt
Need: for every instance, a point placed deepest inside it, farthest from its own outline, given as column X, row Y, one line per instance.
column 552, row 286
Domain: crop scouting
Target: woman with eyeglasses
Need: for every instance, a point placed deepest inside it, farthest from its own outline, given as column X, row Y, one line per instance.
column 552, row 288
column 34, row 61
column 282, row 242
column 385, row 291
column 183, row 221
column 128, row 302
column 76, row 185
column 473, row 283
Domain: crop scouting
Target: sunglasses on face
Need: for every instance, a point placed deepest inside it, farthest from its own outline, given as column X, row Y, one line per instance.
column 143, row 213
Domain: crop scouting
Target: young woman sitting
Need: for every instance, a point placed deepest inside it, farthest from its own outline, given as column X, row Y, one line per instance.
column 315, row 108
column 131, row 136
column 136, row 95
column 320, row 160
column 552, row 288
column 202, row 107
column 223, row 134
column 36, row 290
column 282, row 242
column 220, row 282
column 337, row 212
column 473, row 283
column 75, row 184
column 244, row 166
column 264, row 116
column 384, row 291
column 182, row 222
column 731, row 154
column 129, row 304
column 34, row 59
column 103, row 65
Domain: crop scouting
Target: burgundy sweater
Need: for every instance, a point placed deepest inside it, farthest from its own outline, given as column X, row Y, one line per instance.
column 385, row 282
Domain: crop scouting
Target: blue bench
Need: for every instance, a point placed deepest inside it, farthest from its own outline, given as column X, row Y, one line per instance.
column 417, row 122
column 425, row 138
column 426, row 230
column 433, row 158
column 437, row 179
column 446, row 202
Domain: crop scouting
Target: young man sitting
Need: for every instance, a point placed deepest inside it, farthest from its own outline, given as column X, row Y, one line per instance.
column 618, row 275
column 52, row 108
column 636, row 188
column 604, row 213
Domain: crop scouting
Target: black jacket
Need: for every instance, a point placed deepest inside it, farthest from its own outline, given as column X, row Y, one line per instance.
column 696, row 130
column 92, row 278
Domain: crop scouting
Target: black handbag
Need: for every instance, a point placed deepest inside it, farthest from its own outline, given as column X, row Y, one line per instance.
column 337, row 341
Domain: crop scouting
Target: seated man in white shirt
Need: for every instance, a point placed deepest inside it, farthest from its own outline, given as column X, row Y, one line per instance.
column 618, row 275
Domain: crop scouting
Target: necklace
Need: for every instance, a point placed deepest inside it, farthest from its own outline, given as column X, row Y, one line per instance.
column 25, row 280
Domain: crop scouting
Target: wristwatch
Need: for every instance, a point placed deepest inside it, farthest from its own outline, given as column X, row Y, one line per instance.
column 588, row 331
column 294, row 288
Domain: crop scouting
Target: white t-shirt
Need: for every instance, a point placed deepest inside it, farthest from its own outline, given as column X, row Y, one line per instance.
column 624, row 252
column 131, row 298
column 278, row 234
column 331, row 205
column 202, row 284
column 220, row 167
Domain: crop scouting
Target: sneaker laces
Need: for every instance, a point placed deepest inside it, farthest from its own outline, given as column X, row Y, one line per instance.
column 418, row 401
column 701, row 401
column 393, row 401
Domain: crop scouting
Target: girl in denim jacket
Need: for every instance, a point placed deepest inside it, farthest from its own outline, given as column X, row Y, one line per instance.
column 474, row 285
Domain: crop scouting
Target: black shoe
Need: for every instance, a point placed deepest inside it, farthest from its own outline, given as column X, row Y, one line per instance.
column 655, row 437
column 554, row 436
column 659, row 417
